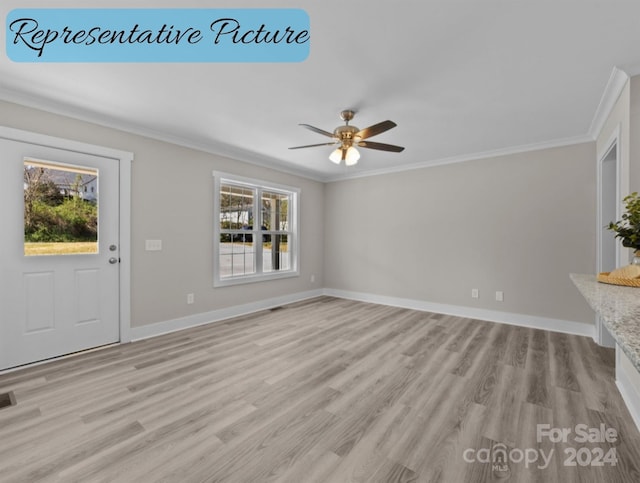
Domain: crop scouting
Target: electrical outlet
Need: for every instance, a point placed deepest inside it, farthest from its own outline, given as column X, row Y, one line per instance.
column 499, row 296
column 313, row 278
column 475, row 293
column 190, row 298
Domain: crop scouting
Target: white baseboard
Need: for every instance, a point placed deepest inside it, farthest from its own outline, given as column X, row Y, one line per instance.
column 165, row 327
column 535, row 322
column 554, row 325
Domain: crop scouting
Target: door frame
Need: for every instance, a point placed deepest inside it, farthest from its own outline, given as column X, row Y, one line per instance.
column 602, row 336
column 124, row 160
column 614, row 141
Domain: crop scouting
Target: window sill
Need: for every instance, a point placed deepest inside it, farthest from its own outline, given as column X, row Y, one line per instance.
column 255, row 278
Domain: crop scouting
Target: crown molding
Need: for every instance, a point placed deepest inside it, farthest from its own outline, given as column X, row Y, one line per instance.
column 468, row 157
column 613, row 89
column 213, row 147
column 257, row 159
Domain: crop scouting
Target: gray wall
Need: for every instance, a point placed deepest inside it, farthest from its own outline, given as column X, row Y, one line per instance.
column 172, row 200
column 518, row 223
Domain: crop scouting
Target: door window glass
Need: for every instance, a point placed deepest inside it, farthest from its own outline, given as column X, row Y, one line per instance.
column 60, row 209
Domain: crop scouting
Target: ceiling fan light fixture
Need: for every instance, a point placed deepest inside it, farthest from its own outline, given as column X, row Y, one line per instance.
column 336, row 156
column 348, row 136
column 352, row 156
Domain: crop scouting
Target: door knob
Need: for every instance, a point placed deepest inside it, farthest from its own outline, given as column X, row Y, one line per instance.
column 113, row 260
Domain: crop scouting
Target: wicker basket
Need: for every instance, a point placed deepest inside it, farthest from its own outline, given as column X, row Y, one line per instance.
column 627, row 282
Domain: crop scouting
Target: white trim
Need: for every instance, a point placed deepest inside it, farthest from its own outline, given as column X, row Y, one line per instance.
column 165, row 327
column 251, row 182
column 125, row 248
column 602, row 336
column 628, row 390
column 558, row 143
column 535, row 322
column 169, row 326
column 257, row 159
column 522, row 320
column 124, row 159
column 212, row 147
column 613, row 141
column 61, row 143
column 613, row 89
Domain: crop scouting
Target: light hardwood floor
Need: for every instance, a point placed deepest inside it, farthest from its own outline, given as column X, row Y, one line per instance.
column 326, row 390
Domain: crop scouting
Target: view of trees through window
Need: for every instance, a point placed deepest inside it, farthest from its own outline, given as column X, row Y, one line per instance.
column 60, row 209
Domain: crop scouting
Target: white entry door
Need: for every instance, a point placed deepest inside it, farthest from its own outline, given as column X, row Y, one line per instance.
column 59, row 252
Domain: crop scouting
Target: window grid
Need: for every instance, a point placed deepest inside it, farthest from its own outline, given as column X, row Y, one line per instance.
column 250, row 247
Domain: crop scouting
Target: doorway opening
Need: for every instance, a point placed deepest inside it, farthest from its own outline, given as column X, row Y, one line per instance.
column 608, row 251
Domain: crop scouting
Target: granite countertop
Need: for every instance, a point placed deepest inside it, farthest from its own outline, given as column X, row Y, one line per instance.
column 619, row 309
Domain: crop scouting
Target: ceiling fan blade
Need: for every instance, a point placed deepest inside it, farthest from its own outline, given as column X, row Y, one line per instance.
column 379, row 128
column 318, row 130
column 381, row 146
column 314, row 145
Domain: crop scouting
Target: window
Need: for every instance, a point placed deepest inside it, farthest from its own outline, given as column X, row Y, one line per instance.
column 255, row 230
column 58, row 219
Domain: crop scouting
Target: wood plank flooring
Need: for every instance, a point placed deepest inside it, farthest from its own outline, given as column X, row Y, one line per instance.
column 325, row 390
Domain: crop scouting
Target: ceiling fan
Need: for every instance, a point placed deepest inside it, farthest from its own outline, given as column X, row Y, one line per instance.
column 347, row 137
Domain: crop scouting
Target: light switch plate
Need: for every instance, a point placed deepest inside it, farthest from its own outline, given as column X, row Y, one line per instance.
column 153, row 245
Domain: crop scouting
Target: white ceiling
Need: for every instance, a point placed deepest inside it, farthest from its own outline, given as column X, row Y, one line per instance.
column 459, row 77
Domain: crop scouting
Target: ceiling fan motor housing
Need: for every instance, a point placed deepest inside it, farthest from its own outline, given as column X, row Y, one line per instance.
column 346, row 134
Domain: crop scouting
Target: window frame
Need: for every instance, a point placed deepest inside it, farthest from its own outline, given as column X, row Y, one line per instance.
column 293, row 232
